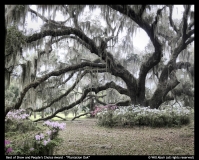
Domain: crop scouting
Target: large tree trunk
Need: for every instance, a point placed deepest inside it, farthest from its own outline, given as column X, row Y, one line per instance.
column 161, row 92
column 160, row 95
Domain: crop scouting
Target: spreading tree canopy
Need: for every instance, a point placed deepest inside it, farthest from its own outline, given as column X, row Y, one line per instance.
column 84, row 52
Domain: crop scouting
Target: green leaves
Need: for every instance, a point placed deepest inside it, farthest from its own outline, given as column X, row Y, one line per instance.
column 133, row 116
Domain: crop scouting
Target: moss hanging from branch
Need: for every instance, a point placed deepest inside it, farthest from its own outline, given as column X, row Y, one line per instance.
column 14, row 40
column 15, row 13
column 7, row 79
column 34, row 70
column 23, row 75
column 26, row 73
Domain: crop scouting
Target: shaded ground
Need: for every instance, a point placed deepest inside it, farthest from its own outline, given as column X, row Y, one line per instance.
column 84, row 137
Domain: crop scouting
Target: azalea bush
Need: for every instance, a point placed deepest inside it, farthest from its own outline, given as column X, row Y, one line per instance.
column 103, row 108
column 7, row 147
column 18, row 120
column 54, row 128
column 17, row 115
column 106, row 112
column 136, row 115
column 41, row 144
column 30, row 142
column 44, row 143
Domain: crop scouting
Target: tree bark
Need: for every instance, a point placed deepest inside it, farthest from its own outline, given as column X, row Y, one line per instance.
column 160, row 93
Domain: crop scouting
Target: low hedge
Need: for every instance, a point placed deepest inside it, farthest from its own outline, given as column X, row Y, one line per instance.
column 142, row 116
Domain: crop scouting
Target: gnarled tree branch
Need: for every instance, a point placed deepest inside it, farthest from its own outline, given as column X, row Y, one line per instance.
column 80, row 115
column 79, row 77
column 45, row 77
column 66, row 31
column 86, row 91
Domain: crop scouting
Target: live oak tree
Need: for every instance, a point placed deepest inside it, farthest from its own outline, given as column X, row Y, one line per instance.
column 89, row 55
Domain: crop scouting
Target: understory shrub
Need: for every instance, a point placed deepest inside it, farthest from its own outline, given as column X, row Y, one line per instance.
column 142, row 116
column 18, row 121
column 7, row 147
column 24, row 137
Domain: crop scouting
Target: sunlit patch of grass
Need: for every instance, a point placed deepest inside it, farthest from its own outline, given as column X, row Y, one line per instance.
column 37, row 117
column 68, row 117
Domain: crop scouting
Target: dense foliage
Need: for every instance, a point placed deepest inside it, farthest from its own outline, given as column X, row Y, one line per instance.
column 143, row 116
column 24, row 137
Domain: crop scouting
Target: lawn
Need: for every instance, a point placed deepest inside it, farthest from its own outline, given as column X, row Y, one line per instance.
column 84, row 137
column 69, row 117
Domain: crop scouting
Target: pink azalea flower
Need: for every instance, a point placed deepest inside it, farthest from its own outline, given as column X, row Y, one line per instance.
column 9, row 150
column 37, row 137
column 41, row 136
column 45, row 142
column 7, row 142
column 48, row 132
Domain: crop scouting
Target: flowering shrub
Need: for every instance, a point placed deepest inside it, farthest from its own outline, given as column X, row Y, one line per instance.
column 55, row 125
column 17, row 120
column 106, row 112
column 42, row 143
column 54, row 128
column 8, row 147
column 99, row 109
column 28, row 144
column 137, row 115
column 45, row 142
column 17, row 115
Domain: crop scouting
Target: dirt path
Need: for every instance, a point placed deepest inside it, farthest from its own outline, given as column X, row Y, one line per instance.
column 84, row 137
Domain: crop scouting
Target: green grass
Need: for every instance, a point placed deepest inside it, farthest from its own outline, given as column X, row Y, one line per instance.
column 68, row 117
column 37, row 117
column 84, row 137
